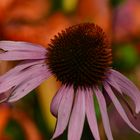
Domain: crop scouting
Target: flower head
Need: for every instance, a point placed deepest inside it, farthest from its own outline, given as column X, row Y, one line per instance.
column 79, row 57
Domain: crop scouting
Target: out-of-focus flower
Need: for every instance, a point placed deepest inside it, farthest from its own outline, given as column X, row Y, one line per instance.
column 27, row 11
column 97, row 11
column 126, row 24
column 39, row 33
column 80, row 58
column 4, row 117
column 4, row 5
column 22, row 12
column 25, row 122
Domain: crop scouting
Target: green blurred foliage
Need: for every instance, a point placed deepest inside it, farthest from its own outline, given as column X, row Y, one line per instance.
column 56, row 5
column 14, row 130
column 126, row 57
column 40, row 122
column 69, row 6
column 115, row 3
column 97, row 110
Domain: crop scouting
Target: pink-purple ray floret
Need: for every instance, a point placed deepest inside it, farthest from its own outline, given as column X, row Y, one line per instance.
column 69, row 106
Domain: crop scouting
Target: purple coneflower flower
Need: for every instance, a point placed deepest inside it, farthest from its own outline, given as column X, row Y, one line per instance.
column 80, row 58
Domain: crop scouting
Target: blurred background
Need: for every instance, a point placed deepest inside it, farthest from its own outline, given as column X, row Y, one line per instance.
column 37, row 21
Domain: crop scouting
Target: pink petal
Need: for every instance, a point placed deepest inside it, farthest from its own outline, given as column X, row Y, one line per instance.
column 91, row 116
column 22, row 66
column 118, row 106
column 128, row 88
column 113, row 83
column 103, row 109
column 28, row 86
column 5, row 96
column 64, row 112
column 7, row 91
column 26, row 74
column 20, row 46
column 77, row 117
column 21, row 55
column 56, row 100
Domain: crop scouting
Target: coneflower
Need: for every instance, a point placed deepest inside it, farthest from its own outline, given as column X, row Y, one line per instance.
column 80, row 57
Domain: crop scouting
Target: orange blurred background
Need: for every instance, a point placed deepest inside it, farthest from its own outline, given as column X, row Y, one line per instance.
column 37, row 21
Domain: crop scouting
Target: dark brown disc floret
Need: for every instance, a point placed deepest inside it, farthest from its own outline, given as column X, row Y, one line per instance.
column 80, row 56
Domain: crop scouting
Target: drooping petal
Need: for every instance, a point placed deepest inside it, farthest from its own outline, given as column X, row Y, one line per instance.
column 113, row 83
column 119, row 106
column 64, row 112
column 77, row 116
column 128, row 88
column 57, row 99
column 91, row 116
column 21, row 55
column 20, row 46
column 26, row 74
column 13, row 87
column 103, row 109
column 20, row 67
column 11, row 50
column 27, row 86
column 5, row 96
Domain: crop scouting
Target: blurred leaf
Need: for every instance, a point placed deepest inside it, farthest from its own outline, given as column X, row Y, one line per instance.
column 56, row 5
column 115, row 3
column 69, row 5
column 97, row 110
column 31, row 131
column 46, row 92
column 14, row 130
column 126, row 57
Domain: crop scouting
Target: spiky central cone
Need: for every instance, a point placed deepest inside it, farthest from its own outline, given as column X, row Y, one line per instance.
column 80, row 56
